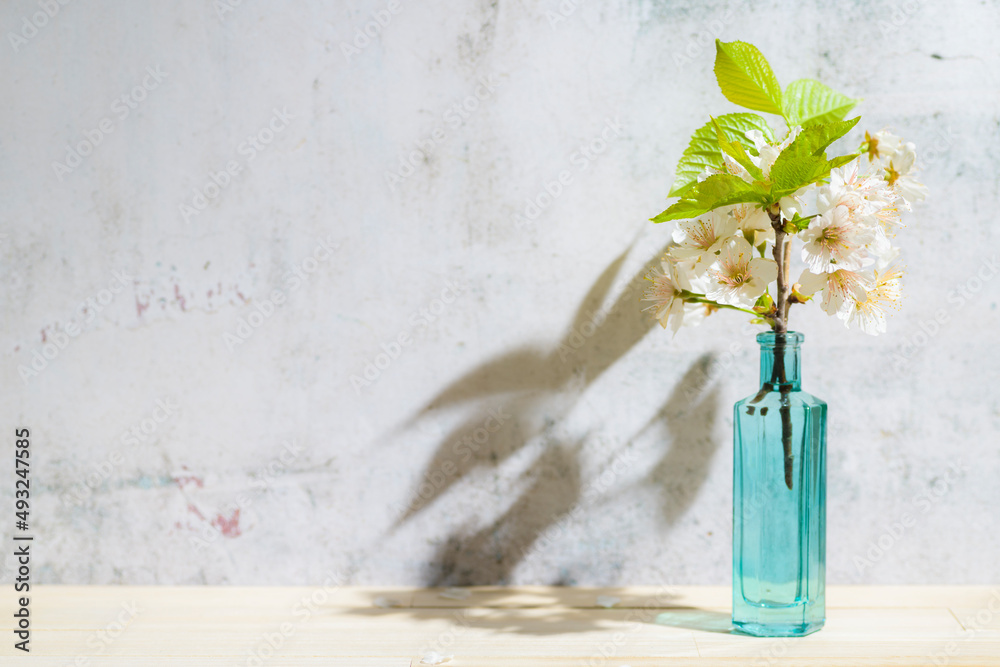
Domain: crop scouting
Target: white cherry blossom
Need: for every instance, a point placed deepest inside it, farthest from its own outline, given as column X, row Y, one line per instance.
column 835, row 240
column 738, row 277
column 887, row 293
column 698, row 240
column 841, row 289
column 664, row 296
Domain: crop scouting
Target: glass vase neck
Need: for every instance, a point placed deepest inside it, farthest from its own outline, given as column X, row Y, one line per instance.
column 780, row 361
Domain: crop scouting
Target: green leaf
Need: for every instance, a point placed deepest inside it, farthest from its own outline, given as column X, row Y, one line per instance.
column 809, row 102
column 735, row 150
column 804, row 160
column 815, row 139
column 792, row 173
column 799, row 223
column 745, row 77
column 841, row 160
column 704, row 150
column 713, row 192
column 787, row 176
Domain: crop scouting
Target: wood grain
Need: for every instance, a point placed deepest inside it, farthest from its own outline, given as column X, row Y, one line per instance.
column 493, row 626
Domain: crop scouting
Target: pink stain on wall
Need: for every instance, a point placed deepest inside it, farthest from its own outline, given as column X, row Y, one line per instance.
column 189, row 479
column 180, row 298
column 228, row 527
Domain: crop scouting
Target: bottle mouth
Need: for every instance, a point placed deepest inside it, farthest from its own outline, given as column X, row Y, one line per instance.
column 771, row 339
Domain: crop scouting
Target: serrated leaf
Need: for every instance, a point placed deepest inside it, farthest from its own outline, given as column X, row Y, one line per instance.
column 735, row 150
column 746, row 78
column 788, row 176
column 800, row 223
column 841, row 160
column 704, row 150
column 795, row 172
column 804, row 160
column 813, row 140
column 715, row 191
column 809, row 102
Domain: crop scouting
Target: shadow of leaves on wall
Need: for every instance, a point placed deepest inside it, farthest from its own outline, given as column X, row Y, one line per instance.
column 533, row 390
column 686, row 421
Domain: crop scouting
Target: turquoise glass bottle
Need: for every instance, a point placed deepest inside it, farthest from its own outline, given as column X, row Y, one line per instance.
column 779, row 499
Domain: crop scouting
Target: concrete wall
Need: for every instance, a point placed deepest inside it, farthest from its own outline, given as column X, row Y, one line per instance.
column 197, row 292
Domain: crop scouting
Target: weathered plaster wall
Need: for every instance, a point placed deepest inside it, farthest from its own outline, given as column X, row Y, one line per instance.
column 202, row 425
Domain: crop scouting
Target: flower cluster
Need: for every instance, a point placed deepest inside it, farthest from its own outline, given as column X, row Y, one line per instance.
column 727, row 257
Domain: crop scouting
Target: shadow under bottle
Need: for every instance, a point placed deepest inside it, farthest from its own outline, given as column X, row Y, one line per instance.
column 779, row 499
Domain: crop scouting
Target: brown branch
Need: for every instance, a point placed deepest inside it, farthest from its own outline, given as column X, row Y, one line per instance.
column 782, row 257
column 786, row 269
column 778, row 252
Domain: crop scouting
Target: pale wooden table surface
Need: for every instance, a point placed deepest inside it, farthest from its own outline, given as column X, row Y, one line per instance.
column 517, row 627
